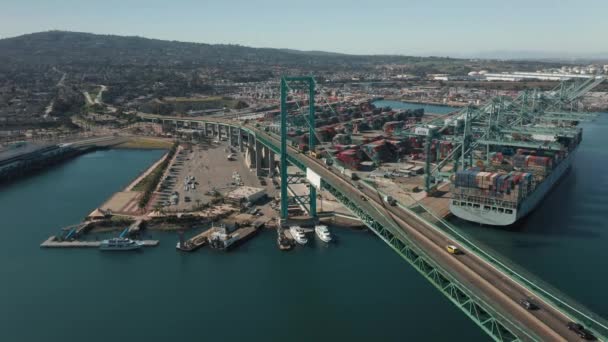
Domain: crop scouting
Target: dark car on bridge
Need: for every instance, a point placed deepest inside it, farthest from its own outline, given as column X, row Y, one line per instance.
column 528, row 304
column 580, row 330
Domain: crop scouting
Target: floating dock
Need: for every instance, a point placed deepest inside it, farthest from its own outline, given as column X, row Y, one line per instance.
column 51, row 242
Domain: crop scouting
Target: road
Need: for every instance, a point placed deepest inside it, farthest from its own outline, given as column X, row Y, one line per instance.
column 480, row 277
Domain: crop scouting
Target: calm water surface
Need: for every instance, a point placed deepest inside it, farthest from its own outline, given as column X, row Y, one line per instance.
column 356, row 290
column 408, row 105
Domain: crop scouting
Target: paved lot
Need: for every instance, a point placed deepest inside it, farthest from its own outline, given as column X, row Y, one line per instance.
column 212, row 170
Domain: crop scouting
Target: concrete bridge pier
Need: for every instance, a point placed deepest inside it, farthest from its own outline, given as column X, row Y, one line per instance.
column 258, row 158
column 203, row 128
column 271, row 162
column 250, row 152
column 240, row 139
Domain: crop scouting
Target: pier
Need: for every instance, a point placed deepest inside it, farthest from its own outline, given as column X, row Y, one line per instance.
column 135, row 227
column 195, row 242
column 52, row 242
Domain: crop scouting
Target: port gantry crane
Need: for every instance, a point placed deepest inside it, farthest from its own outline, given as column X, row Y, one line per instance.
column 506, row 121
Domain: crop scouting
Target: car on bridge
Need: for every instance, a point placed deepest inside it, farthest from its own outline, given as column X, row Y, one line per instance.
column 453, row 249
column 580, row 330
column 528, row 304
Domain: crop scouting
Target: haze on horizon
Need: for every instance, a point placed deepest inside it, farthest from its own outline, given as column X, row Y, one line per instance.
column 466, row 28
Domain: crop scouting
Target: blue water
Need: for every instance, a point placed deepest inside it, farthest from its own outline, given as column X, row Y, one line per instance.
column 408, row 105
column 356, row 290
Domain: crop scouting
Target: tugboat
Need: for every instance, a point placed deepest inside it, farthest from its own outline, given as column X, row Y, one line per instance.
column 120, row 244
column 323, row 233
column 220, row 239
column 283, row 242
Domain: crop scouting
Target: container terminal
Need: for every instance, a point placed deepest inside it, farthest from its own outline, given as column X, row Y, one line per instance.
column 472, row 163
column 468, row 148
column 491, row 164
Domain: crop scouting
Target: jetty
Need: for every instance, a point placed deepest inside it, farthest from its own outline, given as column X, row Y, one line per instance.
column 194, row 242
column 52, row 242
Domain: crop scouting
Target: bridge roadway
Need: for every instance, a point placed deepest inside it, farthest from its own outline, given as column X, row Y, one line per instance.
column 482, row 278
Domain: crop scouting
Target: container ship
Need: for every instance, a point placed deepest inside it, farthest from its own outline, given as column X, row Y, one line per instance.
column 512, row 184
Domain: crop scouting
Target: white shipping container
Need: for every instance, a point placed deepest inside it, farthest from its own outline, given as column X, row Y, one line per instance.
column 422, row 131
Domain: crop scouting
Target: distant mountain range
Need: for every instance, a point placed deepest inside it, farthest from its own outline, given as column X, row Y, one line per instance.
column 61, row 47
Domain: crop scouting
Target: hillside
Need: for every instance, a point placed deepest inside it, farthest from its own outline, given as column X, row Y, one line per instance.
column 60, row 47
column 54, row 69
column 85, row 50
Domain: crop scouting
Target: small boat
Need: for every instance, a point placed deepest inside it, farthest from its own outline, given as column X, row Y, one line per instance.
column 298, row 234
column 283, row 242
column 120, row 244
column 323, row 233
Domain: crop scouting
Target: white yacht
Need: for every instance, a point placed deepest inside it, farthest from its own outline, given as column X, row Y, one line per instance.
column 323, row 233
column 120, row 244
column 298, row 235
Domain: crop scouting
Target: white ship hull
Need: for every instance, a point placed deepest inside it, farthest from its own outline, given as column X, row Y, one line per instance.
column 298, row 235
column 323, row 234
column 497, row 216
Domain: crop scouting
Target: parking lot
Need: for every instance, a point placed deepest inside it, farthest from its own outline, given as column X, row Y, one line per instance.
column 199, row 172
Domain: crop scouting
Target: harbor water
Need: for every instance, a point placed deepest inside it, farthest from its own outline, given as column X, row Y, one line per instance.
column 357, row 289
column 428, row 108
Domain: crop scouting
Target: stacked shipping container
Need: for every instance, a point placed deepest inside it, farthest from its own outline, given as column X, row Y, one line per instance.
column 513, row 186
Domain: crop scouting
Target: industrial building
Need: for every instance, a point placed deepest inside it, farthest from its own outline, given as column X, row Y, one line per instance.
column 245, row 194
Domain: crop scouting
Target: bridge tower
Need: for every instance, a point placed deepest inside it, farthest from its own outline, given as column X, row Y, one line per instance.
column 310, row 122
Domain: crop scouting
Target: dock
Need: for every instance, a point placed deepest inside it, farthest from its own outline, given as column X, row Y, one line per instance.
column 83, row 228
column 135, row 227
column 245, row 233
column 52, row 242
column 196, row 241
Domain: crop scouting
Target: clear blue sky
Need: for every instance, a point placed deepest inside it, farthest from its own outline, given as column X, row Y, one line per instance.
column 440, row 27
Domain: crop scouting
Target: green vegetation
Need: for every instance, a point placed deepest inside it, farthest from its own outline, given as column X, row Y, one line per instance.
column 121, row 220
column 149, row 183
column 170, row 105
column 145, row 143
